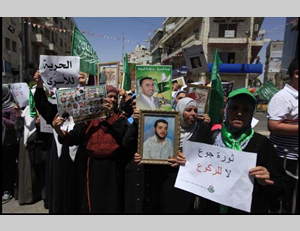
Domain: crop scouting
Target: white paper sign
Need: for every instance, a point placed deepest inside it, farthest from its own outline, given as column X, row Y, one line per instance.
column 218, row 174
column 59, row 71
column 20, row 92
column 47, row 128
column 254, row 122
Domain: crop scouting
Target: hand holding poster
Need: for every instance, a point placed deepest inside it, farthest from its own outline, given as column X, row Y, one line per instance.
column 20, row 91
column 59, row 71
column 218, row 174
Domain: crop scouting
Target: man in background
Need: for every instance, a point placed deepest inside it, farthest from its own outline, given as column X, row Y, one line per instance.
column 282, row 117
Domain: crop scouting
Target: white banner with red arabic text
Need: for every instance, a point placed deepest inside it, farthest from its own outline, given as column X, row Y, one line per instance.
column 218, row 174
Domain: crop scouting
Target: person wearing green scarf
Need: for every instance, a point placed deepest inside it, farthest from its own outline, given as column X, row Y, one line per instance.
column 237, row 134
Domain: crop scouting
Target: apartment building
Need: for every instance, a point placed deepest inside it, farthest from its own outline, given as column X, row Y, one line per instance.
column 140, row 55
column 237, row 39
column 156, row 47
column 273, row 61
column 25, row 39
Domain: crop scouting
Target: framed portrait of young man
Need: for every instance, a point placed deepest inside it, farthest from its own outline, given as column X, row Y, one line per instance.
column 158, row 138
column 108, row 73
column 201, row 95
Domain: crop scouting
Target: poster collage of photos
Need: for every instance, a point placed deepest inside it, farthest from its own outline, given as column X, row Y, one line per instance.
column 83, row 103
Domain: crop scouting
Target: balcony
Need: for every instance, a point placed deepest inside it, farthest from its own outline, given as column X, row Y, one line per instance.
column 194, row 37
column 39, row 40
column 227, row 40
column 52, row 48
column 177, row 27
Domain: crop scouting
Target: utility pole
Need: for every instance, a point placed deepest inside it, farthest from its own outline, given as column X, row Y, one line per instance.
column 21, row 49
column 123, row 39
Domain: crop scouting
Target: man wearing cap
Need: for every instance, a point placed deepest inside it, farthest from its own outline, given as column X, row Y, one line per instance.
column 146, row 100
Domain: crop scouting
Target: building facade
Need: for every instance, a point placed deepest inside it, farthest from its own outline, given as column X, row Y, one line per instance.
column 156, row 47
column 237, row 39
column 273, row 61
column 289, row 51
column 140, row 55
column 25, row 39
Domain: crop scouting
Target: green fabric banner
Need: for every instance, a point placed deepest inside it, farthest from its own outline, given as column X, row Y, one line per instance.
column 126, row 75
column 216, row 100
column 82, row 48
column 267, row 91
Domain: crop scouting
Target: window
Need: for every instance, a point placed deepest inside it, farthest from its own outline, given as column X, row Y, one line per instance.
column 14, row 46
column 34, row 28
column 224, row 27
column 47, row 34
column 60, row 42
column 7, row 43
column 227, row 57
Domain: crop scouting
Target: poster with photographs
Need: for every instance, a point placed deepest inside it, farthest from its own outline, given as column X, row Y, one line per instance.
column 83, row 103
column 195, row 59
column 154, row 87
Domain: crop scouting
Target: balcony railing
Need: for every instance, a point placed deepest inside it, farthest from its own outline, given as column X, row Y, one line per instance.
column 39, row 40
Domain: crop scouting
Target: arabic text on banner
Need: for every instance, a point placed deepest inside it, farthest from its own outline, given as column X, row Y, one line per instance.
column 59, row 71
column 218, row 174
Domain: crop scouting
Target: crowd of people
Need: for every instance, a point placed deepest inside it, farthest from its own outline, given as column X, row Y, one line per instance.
column 94, row 166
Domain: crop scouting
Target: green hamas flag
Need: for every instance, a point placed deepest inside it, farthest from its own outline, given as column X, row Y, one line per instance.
column 126, row 75
column 82, row 48
column 216, row 100
column 267, row 91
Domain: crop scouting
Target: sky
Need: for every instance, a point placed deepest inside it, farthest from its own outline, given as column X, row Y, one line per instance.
column 138, row 29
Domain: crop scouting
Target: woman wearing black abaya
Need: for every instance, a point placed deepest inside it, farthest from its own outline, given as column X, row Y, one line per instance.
column 64, row 168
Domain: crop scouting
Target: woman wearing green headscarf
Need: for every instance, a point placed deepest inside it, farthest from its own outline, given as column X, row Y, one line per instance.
column 237, row 134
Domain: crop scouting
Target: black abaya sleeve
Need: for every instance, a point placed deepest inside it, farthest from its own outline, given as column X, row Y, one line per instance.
column 45, row 108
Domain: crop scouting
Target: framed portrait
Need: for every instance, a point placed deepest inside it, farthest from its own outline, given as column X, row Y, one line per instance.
column 158, row 137
column 195, row 59
column 180, row 81
column 108, row 73
column 201, row 95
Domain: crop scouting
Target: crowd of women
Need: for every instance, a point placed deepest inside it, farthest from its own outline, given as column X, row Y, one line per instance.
column 94, row 167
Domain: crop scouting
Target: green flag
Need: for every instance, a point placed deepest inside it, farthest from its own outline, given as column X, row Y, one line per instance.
column 82, row 48
column 32, row 108
column 126, row 75
column 216, row 100
column 267, row 91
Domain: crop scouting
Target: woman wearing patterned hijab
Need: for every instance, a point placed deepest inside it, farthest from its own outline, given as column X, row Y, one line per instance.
column 100, row 143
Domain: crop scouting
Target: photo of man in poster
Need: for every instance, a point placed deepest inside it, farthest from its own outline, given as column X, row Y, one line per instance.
column 158, row 146
column 103, row 76
column 146, row 100
column 195, row 62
